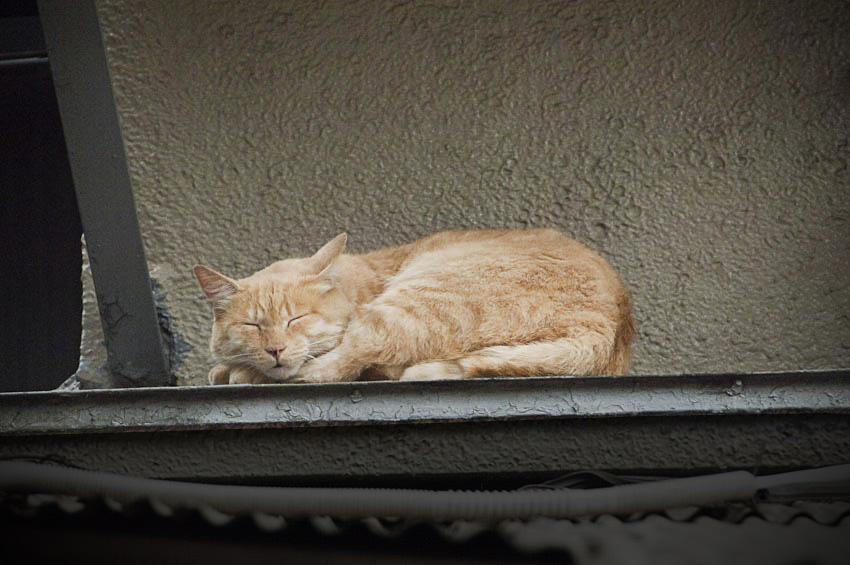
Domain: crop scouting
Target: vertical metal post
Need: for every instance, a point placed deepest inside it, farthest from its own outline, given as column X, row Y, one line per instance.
column 104, row 194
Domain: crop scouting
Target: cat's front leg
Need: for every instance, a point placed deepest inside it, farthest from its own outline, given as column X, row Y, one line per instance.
column 379, row 337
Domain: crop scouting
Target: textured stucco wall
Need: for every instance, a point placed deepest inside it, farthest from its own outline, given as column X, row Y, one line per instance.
column 702, row 147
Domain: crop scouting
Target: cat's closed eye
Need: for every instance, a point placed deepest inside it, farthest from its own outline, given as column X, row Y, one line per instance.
column 251, row 325
column 295, row 318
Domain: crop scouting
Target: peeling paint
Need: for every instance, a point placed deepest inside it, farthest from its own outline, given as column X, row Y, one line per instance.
column 113, row 313
column 93, row 372
column 175, row 346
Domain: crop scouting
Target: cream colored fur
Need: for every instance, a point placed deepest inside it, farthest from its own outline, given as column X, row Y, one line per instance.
column 455, row 304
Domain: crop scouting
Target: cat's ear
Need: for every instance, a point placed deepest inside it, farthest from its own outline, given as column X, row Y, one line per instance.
column 216, row 286
column 324, row 261
column 325, row 256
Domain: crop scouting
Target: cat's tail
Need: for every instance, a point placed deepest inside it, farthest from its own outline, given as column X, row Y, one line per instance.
column 621, row 356
column 586, row 353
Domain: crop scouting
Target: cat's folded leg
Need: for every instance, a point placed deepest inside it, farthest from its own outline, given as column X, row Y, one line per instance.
column 382, row 337
column 386, row 337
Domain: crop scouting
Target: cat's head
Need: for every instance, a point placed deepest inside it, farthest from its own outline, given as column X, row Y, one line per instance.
column 281, row 317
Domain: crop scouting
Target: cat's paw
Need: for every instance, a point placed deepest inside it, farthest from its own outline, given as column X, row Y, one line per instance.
column 246, row 376
column 329, row 368
column 224, row 375
column 316, row 371
column 434, row 370
column 219, row 375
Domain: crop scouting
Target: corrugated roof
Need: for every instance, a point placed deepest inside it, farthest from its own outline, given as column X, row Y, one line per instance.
column 803, row 532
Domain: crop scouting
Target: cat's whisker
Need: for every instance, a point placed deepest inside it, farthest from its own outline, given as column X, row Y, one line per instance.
column 237, row 356
column 241, row 357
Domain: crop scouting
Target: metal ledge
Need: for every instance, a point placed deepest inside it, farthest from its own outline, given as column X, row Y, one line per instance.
column 449, row 434
column 279, row 406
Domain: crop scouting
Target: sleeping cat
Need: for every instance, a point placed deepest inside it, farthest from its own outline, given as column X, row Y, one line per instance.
column 456, row 304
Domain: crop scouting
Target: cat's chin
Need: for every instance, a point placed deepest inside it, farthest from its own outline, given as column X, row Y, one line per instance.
column 282, row 374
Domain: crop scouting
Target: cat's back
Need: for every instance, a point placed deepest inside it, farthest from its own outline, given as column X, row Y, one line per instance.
column 498, row 287
column 511, row 253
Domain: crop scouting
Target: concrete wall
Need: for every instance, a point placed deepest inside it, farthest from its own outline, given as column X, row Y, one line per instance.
column 702, row 147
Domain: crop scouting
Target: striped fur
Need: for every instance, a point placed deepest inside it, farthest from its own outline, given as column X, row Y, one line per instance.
column 455, row 304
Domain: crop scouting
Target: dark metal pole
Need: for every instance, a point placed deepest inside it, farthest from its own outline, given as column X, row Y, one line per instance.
column 104, row 194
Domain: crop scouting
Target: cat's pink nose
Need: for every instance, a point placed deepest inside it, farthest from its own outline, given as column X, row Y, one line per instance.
column 275, row 351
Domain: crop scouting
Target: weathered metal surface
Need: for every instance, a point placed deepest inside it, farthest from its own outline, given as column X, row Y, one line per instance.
column 203, row 408
column 104, row 192
column 395, row 433
column 456, row 454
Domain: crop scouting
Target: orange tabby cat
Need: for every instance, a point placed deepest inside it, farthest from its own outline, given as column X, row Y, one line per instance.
column 456, row 304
